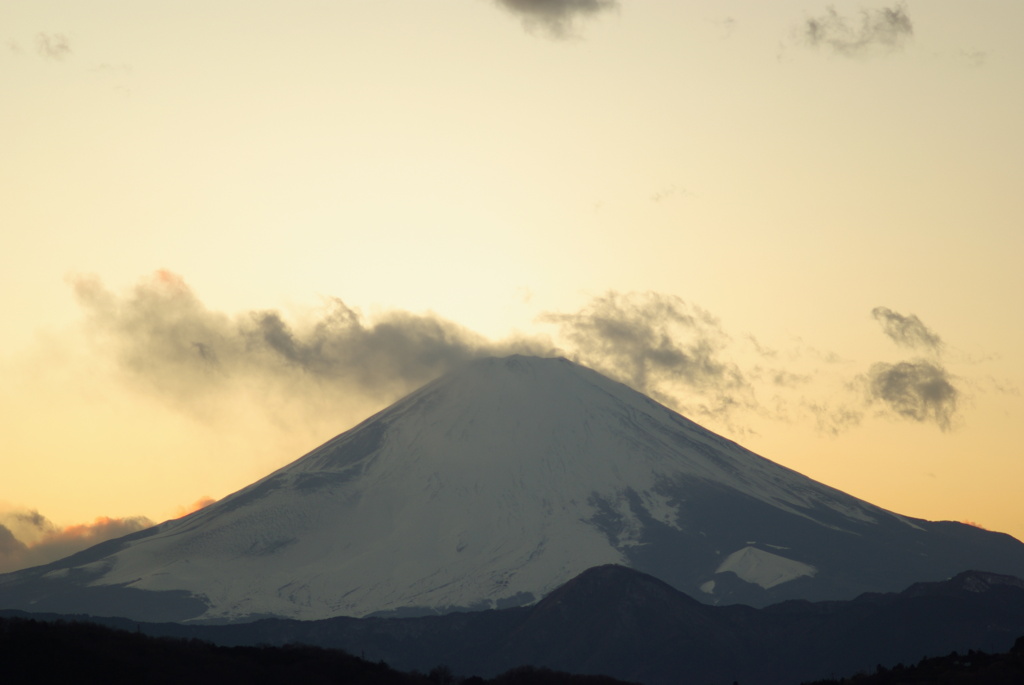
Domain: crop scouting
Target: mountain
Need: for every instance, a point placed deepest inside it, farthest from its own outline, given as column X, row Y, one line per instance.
column 619, row 622
column 489, row 488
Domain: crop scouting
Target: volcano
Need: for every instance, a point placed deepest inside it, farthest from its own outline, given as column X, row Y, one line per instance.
column 492, row 486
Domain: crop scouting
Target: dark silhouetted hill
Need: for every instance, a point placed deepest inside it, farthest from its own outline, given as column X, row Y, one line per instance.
column 624, row 624
column 34, row 651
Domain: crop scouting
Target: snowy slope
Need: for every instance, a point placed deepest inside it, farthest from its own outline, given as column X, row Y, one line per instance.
column 502, row 481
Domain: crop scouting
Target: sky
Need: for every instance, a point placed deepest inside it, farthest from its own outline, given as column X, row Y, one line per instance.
column 234, row 230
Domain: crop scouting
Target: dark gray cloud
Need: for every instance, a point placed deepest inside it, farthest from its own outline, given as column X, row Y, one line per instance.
column 659, row 345
column 907, row 331
column 53, row 46
column 557, row 18
column 27, row 538
column 921, row 391
column 887, row 28
column 163, row 339
column 163, row 336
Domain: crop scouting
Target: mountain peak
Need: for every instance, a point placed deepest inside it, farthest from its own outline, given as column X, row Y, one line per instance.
column 495, row 484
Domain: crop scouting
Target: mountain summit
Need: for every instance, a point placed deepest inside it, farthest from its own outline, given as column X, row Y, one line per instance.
column 492, row 486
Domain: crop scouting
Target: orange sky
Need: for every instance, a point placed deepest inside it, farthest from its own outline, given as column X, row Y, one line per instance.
column 234, row 231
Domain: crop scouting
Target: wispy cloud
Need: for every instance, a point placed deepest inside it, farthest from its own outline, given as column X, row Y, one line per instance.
column 833, row 419
column 906, row 331
column 658, row 344
column 53, row 46
column 200, row 503
column 886, row 28
column 27, row 538
column 556, row 18
column 310, row 369
column 921, row 391
column 165, row 339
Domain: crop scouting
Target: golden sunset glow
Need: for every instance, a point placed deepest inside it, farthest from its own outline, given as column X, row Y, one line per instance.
column 233, row 231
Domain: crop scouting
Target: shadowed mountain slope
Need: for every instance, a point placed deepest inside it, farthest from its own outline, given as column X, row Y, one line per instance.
column 489, row 488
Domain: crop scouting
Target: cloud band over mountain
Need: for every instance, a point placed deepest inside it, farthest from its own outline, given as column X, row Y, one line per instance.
column 164, row 339
column 162, row 335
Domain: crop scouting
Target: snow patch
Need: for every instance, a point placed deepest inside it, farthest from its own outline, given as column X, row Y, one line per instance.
column 764, row 568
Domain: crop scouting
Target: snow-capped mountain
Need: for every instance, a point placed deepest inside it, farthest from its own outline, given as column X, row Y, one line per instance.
column 489, row 488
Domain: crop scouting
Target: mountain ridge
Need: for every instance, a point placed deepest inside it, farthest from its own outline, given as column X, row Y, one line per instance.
column 619, row 622
column 490, row 487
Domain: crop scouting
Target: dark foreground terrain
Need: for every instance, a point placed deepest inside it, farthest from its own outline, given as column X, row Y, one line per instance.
column 972, row 668
column 620, row 623
column 33, row 651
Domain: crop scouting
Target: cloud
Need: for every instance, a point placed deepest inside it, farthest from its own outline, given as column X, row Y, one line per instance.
column 556, row 17
column 27, row 538
column 53, row 46
column 921, row 391
column 10, row 547
column 163, row 338
column 833, row 419
column 907, row 331
column 886, row 28
column 659, row 345
column 200, row 503
column 312, row 372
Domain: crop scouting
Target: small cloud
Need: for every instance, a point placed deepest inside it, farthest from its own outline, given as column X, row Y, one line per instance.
column 762, row 350
column 200, row 503
column 887, row 28
column 833, row 420
column 788, row 379
column 557, row 18
column 53, row 46
column 921, row 391
column 974, row 524
column 27, row 538
column 906, row 331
